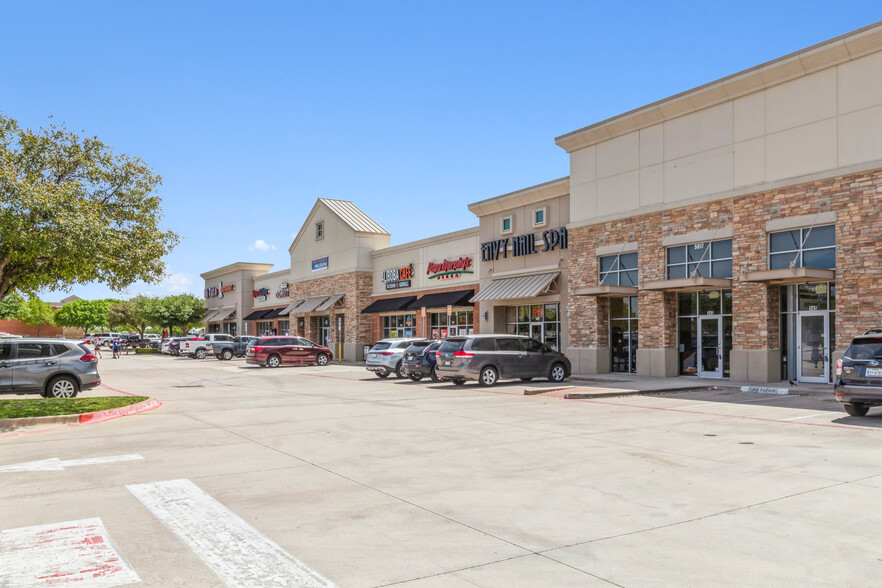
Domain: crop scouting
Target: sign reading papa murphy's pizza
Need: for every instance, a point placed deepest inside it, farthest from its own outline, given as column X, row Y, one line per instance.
column 449, row 269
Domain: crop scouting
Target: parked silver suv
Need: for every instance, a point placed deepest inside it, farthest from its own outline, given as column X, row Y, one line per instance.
column 55, row 368
column 385, row 356
column 490, row 358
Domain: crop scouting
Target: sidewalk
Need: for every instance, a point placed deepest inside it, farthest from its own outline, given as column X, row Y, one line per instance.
column 640, row 384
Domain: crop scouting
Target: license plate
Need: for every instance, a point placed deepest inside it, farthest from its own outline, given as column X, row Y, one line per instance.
column 409, row 356
column 873, row 372
column 448, row 362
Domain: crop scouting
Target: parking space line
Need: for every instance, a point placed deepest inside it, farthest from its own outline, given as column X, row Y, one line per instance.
column 704, row 404
column 73, row 552
column 237, row 552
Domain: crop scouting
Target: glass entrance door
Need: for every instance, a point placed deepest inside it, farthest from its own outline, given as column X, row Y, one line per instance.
column 536, row 332
column 813, row 349
column 710, row 347
column 324, row 332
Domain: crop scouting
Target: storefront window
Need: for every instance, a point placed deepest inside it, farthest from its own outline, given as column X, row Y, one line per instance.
column 230, row 329
column 214, row 328
column 284, row 328
column 539, row 321
column 810, row 247
column 401, row 325
column 265, row 328
column 711, row 259
column 623, row 334
column 705, row 332
column 798, row 304
column 618, row 270
column 461, row 323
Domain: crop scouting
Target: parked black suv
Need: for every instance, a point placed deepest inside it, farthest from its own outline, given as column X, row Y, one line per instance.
column 490, row 358
column 858, row 383
column 419, row 360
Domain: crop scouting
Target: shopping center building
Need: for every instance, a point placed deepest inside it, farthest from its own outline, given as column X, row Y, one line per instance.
column 725, row 232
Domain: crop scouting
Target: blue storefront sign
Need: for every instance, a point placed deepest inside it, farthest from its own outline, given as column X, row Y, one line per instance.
column 319, row 264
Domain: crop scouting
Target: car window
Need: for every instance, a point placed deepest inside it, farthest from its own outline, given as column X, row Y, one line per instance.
column 59, row 348
column 381, row 346
column 34, row 350
column 869, row 348
column 5, row 351
column 532, row 346
column 506, row 344
column 305, row 343
column 483, row 344
column 416, row 345
column 451, row 345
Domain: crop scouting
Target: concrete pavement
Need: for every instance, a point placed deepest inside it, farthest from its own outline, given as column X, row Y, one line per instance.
column 375, row 482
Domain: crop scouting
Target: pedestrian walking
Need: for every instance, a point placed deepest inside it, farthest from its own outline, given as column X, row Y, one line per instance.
column 116, row 349
column 97, row 348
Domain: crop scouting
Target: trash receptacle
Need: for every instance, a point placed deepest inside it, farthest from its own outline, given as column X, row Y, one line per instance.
column 365, row 350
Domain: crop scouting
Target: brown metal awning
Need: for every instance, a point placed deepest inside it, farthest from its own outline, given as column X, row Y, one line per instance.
column 519, row 287
column 310, row 305
column 606, row 291
column 210, row 316
column 293, row 305
column 797, row 275
column 327, row 304
column 688, row 284
column 223, row 315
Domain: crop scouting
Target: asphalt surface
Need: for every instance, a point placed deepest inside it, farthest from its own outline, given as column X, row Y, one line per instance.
column 311, row 476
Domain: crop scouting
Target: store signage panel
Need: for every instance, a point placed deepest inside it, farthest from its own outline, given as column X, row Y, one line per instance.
column 524, row 244
column 319, row 264
column 449, row 269
column 397, row 278
column 260, row 292
column 219, row 290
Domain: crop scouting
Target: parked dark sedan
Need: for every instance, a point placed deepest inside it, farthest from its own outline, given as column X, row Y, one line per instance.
column 285, row 350
column 419, row 360
column 490, row 358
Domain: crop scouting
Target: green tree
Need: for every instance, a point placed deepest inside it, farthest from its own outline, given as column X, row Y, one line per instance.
column 83, row 314
column 72, row 211
column 143, row 312
column 11, row 306
column 177, row 311
column 36, row 313
column 121, row 314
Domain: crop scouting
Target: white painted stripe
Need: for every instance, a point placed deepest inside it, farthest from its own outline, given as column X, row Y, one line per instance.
column 808, row 416
column 74, row 552
column 54, row 464
column 724, row 402
column 237, row 552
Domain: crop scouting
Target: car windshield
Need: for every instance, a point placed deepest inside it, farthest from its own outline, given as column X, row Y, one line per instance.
column 869, row 348
column 419, row 347
column 451, row 345
column 381, row 346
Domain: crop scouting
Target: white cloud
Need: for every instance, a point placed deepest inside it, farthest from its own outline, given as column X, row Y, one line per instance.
column 261, row 245
column 175, row 283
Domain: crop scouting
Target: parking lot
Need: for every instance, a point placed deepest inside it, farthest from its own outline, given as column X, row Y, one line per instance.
column 312, row 476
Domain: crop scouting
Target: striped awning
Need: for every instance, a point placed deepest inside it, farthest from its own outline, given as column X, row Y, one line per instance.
column 223, row 315
column 519, row 287
column 310, row 305
column 209, row 316
column 330, row 302
column 292, row 306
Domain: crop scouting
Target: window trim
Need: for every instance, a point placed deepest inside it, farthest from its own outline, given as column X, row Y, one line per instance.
column 319, row 230
column 709, row 260
column 544, row 211
column 502, row 229
column 617, row 269
column 799, row 256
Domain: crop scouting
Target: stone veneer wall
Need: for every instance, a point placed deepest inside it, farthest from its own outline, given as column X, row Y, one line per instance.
column 854, row 198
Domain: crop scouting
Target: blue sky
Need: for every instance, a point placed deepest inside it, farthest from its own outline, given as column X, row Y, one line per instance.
column 251, row 110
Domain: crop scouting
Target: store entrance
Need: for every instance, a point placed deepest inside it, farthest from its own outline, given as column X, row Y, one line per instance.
column 813, row 347
column 324, row 330
column 710, row 343
column 537, row 332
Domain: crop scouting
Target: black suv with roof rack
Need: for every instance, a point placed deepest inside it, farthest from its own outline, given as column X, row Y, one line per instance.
column 858, row 384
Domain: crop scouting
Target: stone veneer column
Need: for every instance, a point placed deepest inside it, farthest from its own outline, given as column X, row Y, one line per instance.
column 657, row 354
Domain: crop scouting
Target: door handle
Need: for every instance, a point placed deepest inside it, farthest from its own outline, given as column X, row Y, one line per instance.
column 50, row 363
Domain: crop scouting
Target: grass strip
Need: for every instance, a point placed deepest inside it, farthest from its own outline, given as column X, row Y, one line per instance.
column 37, row 407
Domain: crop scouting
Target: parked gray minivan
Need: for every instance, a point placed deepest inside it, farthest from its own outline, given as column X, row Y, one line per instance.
column 55, row 368
column 490, row 358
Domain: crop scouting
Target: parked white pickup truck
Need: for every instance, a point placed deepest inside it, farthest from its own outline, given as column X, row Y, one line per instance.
column 199, row 347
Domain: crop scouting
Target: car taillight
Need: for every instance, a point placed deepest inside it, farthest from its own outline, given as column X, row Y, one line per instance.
column 462, row 353
column 88, row 357
column 839, row 367
column 385, row 353
column 256, row 349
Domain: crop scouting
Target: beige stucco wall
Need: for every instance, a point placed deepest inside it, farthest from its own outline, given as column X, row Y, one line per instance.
column 450, row 246
column 823, row 121
column 272, row 282
column 242, row 276
column 345, row 249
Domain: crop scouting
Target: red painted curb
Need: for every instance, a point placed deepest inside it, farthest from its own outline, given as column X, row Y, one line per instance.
column 98, row 417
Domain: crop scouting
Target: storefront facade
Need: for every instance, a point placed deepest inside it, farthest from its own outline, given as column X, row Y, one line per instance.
column 524, row 243
column 729, row 231
column 424, row 288
column 228, row 296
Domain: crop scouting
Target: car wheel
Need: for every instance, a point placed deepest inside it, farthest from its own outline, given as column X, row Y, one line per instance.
column 558, row 373
column 273, row 361
column 398, row 373
column 489, row 376
column 227, row 354
column 382, row 374
column 458, row 382
column 526, row 379
column 416, row 377
column 62, row 387
column 321, row 359
column 200, row 354
column 434, row 374
column 856, row 409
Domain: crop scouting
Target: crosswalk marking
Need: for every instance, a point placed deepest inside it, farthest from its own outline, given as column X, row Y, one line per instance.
column 73, row 552
column 237, row 552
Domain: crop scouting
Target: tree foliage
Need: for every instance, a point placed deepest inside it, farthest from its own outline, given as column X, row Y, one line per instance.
column 83, row 314
column 11, row 306
column 36, row 313
column 72, row 211
column 121, row 314
column 177, row 311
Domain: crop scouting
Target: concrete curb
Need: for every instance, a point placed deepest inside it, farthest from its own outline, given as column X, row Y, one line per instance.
column 612, row 393
column 80, row 419
column 534, row 391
